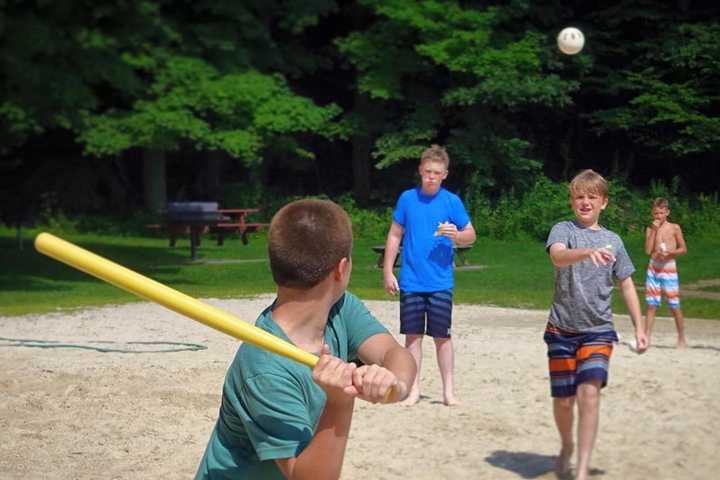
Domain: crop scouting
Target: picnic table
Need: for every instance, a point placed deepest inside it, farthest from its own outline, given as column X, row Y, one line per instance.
column 198, row 218
column 234, row 222
column 460, row 258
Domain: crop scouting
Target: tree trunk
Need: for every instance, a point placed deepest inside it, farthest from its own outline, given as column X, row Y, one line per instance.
column 565, row 152
column 207, row 179
column 361, row 146
column 154, row 185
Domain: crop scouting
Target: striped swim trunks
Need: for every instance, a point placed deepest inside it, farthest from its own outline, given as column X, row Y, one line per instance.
column 662, row 277
column 426, row 313
column 576, row 357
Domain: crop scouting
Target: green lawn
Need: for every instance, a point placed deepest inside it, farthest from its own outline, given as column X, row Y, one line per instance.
column 505, row 273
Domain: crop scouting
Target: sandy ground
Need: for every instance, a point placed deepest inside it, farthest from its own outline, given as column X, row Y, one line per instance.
column 119, row 408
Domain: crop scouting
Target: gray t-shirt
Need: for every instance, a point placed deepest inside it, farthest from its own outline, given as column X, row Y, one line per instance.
column 582, row 290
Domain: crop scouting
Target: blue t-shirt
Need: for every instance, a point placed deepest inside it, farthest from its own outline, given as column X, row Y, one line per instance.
column 427, row 260
column 270, row 404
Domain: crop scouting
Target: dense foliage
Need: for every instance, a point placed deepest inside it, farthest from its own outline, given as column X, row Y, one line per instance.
column 253, row 102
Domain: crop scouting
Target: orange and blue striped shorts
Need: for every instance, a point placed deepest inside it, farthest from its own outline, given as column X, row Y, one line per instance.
column 576, row 357
column 662, row 277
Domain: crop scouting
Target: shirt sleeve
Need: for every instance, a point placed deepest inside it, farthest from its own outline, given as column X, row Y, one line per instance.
column 460, row 216
column 399, row 212
column 623, row 266
column 360, row 324
column 560, row 233
column 278, row 423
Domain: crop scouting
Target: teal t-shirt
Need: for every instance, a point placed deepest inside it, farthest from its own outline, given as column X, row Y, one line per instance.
column 270, row 404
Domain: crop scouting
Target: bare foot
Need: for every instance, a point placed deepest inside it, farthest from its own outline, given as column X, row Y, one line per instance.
column 562, row 464
column 582, row 475
column 450, row 400
column 412, row 398
column 682, row 343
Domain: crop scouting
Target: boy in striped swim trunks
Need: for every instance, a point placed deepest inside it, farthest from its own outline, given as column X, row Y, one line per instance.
column 664, row 241
column 580, row 331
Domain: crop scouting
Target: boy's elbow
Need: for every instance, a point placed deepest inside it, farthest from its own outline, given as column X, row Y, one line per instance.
column 555, row 261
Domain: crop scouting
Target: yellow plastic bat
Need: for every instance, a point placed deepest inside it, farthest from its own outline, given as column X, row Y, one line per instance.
column 144, row 287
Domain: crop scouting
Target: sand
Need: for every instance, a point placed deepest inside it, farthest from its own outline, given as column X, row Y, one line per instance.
column 81, row 397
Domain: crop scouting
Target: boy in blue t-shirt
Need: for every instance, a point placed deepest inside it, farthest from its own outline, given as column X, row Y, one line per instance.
column 427, row 220
column 580, row 333
column 279, row 419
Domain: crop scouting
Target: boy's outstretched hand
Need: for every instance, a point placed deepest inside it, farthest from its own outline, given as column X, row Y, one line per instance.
column 602, row 256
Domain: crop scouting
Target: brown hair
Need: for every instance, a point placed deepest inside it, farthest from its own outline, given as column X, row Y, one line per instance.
column 435, row 153
column 660, row 202
column 306, row 240
column 589, row 181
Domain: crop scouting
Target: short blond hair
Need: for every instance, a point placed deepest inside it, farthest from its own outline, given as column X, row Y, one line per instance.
column 589, row 181
column 435, row 153
column 661, row 202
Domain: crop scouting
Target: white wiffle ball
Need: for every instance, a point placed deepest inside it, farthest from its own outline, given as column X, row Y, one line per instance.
column 570, row 40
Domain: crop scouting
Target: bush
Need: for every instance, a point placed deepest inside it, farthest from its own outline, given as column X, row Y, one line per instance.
column 513, row 215
column 371, row 224
column 533, row 213
column 238, row 195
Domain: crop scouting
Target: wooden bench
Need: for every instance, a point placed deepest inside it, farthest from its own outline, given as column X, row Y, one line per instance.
column 460, row 258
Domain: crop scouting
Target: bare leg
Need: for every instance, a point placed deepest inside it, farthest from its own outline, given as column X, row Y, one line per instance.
column 680, row 325
column 588, row 398
column 414, row 345
column 650, row 320
column 563, row 412
column 446, row 362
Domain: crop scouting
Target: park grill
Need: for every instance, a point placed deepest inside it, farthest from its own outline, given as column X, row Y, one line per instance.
column 194, row 218
column 189, row 213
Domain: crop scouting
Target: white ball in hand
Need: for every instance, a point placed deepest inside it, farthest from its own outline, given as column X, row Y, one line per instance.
column 570, row 40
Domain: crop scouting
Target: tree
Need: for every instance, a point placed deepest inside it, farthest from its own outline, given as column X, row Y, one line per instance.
column 191, row 103
column 456, row 75
column 162, row 77
column 665, row 96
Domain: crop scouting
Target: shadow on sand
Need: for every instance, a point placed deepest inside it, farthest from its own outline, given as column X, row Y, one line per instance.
column 525, row 464
column 530, row 465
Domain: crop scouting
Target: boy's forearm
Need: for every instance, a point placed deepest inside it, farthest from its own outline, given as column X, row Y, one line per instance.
column 678, row 251
column 633, row 303
column 569, row 256
column 466, row 236
column 389, row 259
column 324, row 455
column 402, row 364
column 392, row 247
column 649, row 240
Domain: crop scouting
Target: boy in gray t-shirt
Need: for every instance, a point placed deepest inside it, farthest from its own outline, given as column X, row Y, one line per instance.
column 580, row 332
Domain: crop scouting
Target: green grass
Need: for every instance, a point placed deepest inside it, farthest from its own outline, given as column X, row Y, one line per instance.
column 514, row 273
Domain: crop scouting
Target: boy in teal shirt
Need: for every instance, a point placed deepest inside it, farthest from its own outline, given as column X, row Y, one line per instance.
column 279, row 419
